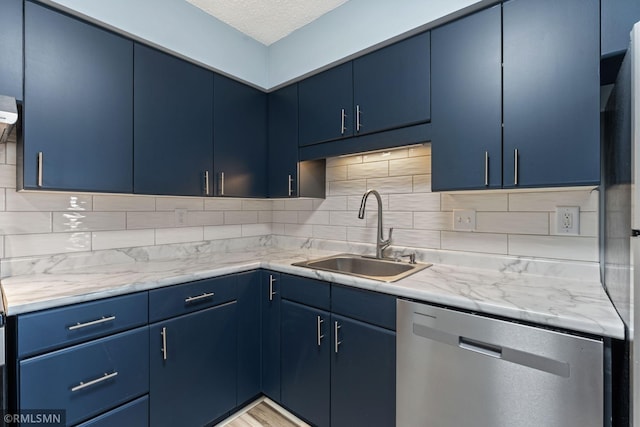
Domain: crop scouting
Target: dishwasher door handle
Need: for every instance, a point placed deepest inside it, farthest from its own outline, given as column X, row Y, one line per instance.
column 480, row 347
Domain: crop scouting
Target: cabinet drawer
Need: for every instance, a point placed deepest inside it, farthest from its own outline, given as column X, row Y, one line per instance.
column 51, row 329
column 89, row 378
column 371, row 307
column 181, row 299
column 133, row 414
column 315, row 293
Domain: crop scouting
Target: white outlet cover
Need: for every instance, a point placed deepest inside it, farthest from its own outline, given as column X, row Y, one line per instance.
column 180, row 218
column 464, row 219
column 568, row 220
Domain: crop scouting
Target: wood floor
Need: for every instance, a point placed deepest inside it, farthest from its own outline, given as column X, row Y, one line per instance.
column 263, row 413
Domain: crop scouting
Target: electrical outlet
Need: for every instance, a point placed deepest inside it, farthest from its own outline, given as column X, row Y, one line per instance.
column 568, row 220
column 464, row 219
column 180, row 217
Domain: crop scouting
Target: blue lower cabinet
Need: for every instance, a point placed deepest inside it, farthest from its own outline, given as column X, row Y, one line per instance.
column 270, row 306
column 305, row 377
column 193, row 367
column 87, row 379
column 363, row 374
column 248, row 285
column 132, row 414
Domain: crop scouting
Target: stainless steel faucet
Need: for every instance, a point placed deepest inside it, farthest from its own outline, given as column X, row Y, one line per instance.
column 381, row 244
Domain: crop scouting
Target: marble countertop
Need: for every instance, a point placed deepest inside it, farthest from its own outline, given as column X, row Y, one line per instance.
column 565, row 303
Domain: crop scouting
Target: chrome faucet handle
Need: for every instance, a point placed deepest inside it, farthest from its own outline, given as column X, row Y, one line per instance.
column 412, row 257
column 388, row 241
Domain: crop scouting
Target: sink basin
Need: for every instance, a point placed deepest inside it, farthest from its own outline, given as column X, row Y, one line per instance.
column 384, row 270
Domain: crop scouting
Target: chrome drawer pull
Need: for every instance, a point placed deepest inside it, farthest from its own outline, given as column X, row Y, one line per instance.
column 343, row 116
column 290, row 185
column 320, row 336
column 206, row 183
column 337, row 342
column 93, row 382
column 93, row 322
column 164, row 343
column 271, row 291
column 199, row 297
column 40, row 160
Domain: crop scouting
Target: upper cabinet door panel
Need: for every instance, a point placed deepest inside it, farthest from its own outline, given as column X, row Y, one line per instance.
column 283, row 142
column 326, row 105
column 392, row 86
column 551, row 92
column 78, row 107
column 617, row 19
column 173, row 124
column 467, row 102
column 11, row 48
column 240, row 139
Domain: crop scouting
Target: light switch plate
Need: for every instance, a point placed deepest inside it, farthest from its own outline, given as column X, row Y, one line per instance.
column 464, row 219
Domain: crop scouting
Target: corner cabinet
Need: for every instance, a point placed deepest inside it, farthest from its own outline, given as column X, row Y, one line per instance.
column 78, row 111
column 239, row 138
column 173, row 125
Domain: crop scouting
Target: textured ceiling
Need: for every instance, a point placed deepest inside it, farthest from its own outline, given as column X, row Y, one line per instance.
column 267, row 21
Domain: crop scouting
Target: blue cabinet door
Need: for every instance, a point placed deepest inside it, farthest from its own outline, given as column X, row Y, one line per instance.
column 326, row 105
column 249, row 341
column 363, row 374
column 270, row 312
column 282, row 165
column 391, row 86
column 617, row 18
column 78, row 105
column 239, row 139
column 11, row 48
column 305, row 346
column 173, row 124
column 193, row 367
column 467, row 102
column 551, row 93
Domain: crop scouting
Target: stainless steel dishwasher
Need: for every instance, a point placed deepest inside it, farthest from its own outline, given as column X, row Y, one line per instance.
column 456, row 369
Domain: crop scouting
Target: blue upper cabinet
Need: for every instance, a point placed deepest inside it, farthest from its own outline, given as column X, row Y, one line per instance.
column 173, row 125
column 282, row 162
column 78, row 105
column 239, row 139
column 326, row 105
column 11, row 48
column 617, row 19
column 467, row 102
column 391, row 86
column 551, row 93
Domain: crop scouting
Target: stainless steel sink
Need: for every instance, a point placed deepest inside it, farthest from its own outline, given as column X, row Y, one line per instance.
column 384, row 270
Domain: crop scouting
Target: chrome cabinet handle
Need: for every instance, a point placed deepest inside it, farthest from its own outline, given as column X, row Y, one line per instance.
column 40, row 159
column 320, row 336
column 335, row 336
column 222, row 183
column 515, row 166
column 199, row 297
column 290, row 185
column 103, row 319
column 164, row 343
column 93, row 382
column 343, row 116
column 206, row 183
column 358, row 124
column 272, row 280
column 486, row 168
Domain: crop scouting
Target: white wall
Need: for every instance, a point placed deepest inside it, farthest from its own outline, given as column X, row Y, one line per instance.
column 186, row 30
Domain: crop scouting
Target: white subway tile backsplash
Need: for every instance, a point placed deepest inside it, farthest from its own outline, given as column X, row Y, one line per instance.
column 587, row 200
column 88, row 221
column 298, row 204
column 558, row 247
column 385, row 155
column 353, row 203
column 218, row 232
column 165, row 236
column 337, row 173
column 420, row 150
column 416, row 238
column 46, row 202
column 25, row 222
column 335, row 203
column 422, row 183
column 346, row 218
column 122, row 239
column 474, row 242
column 265, row 217
column 433, row 220
column 200, row 218
column 123, row 203
column 249, row 230
column 479, row 202
column 513, row 222
column 45, row 244
column 256, row 205
column 417, row 202
column 7, row 175
column 330, row 232
column 11, row 153
column 361, row 234
column 298, row 230
column 391, row 185
column 343, row 160
column 347, row 188
column 139, row 220
column 172, row 203
column 277, row 229
column 240, row 217
column 285, row 217
column 390, row 219
column 368, row 170
column 313, row 217
column 410, row 166
column 222, row 204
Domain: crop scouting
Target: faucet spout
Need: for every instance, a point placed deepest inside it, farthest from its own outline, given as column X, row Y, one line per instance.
column 381, row 243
